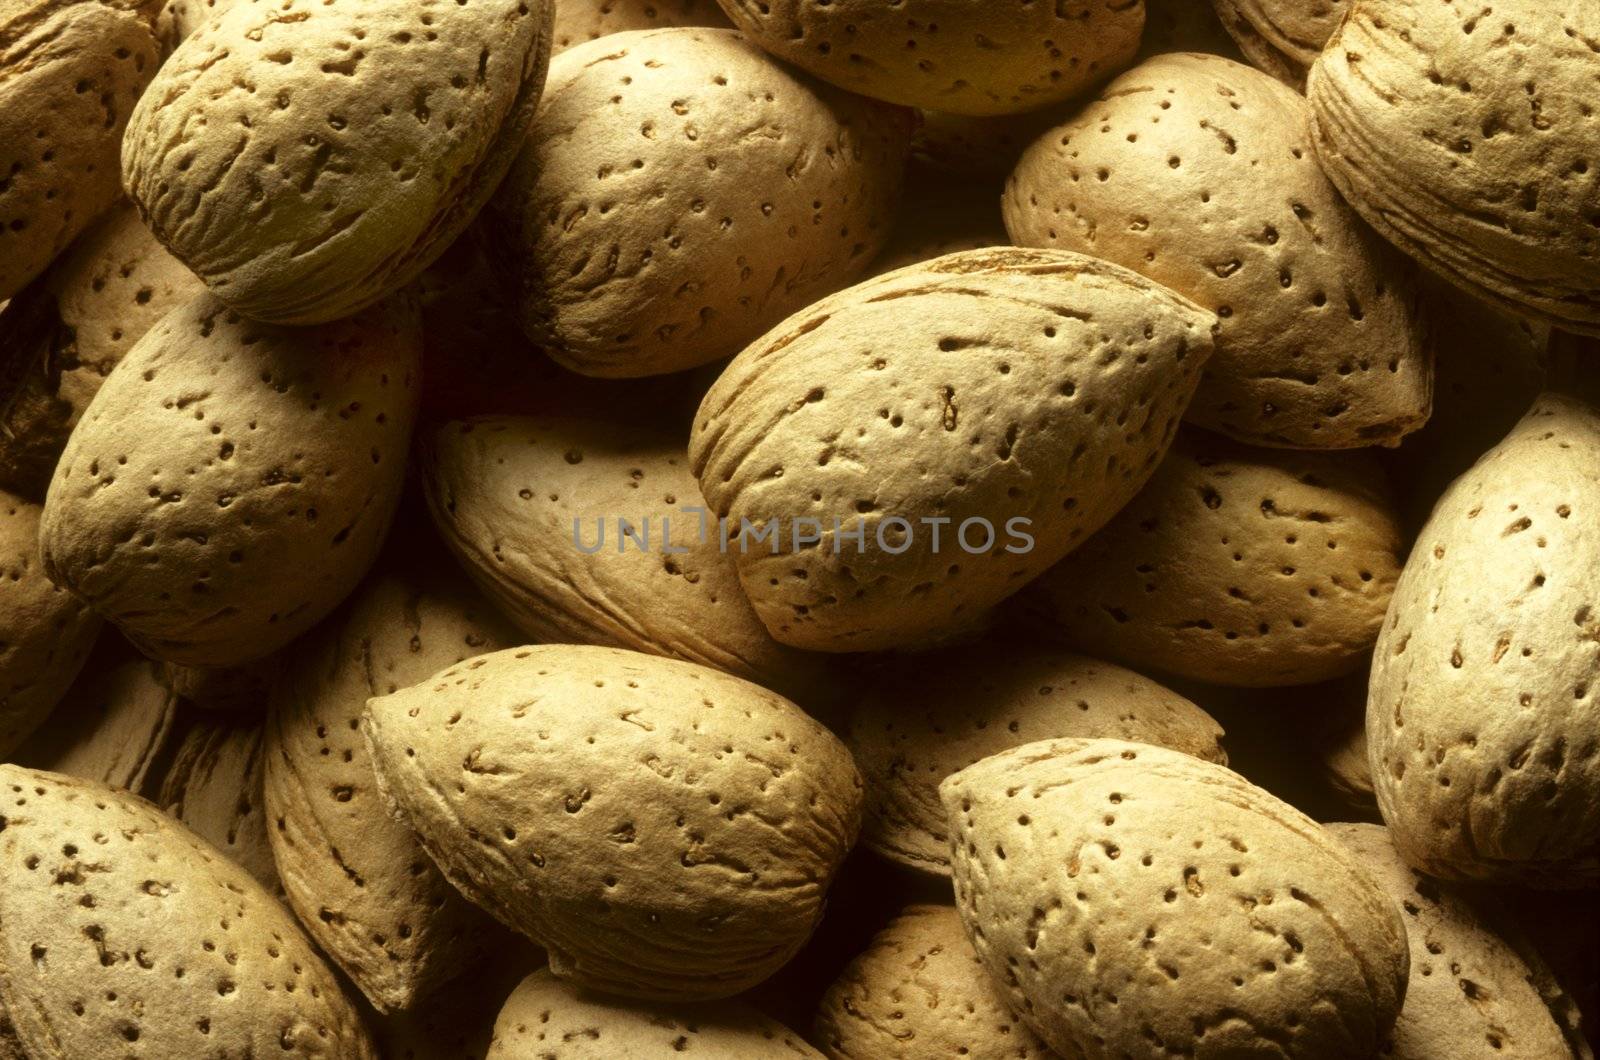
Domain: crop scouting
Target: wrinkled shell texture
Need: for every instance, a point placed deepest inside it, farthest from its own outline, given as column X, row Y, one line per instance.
column 180, row 18
column 362, row 138
column 99, row 299
column 919, row 991
column 1484, row 705
column 550, row 1020
column 580, row 21
column 986, row 385
column 1415, row 122
column 1282, row 37
column 1237, row 566
column 122, row 933
column 358, row 879
column 1119, row 930
column 644, row 238
column 69, row 75
column 109, row 728
column 920, row 720
column 214, row 786
column 231, row 481
column 521, row 502
column 1471, row 994
column 664, row 830
column 45, row 635
column 1198, row 172
column 985, row 57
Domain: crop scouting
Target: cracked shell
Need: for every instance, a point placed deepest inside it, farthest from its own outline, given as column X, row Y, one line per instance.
column 680, row 193
column 1198, row 172
column 109, row 900
column 1484, row 701
column 358, row 878
column 306, row 159
column 581, row 21
column 1282, row 37
column 1136, row 901
column 1463, row 133
column 257, row 466
column 984, row 59
column 987, row 385
column 1235, row 566
column 664, row 830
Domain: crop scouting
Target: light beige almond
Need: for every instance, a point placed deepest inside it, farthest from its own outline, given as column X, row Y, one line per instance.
column 123, row 933
column 1235, row 566
column 1483, row 713
column 581, row 21
column 664, row 830
column 213, row 786
column 680, row 193
column 1282, row 37
column 358, row 879
column 231, row 481
column 1198, row 173
column 920, row 718
column 1035, row 390
column 1134, row 901
column 306, row 159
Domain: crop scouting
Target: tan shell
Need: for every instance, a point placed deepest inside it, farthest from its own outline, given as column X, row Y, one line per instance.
column 919, row 991
column 1484, row 706
column 580, row 21
column 1136, row 901
column 70, row 71
column 180, row 18
column 306, row 159
column 358, row 879
column 120, row 926
column 680, row 193
column 45, row 635
column 214, row 786
column 257, row 466
column 960, row 57
column 664, row 830
column 921, row 718
column 1198, row 173
column 1282, row 37
column 1463, row 133
column 1236, row 566
column 551, row 1020
column 1040, row 385
column 531, row 507
column 111, row 727
column 1471, row 994
column 64, row 334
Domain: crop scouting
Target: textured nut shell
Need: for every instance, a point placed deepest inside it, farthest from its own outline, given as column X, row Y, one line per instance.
column 919, row 991
column 921, row 718
column 1236, row 566
column 110, row 727
column 580, row 21
column 1039, row 384
column 1282, row 37
column 64, row 334
column 1137, row 901
column 1197, row 172
column 358, row 879
column 680, row 193
column 1471, row 994
column 257, row 465
column 306, row 160
column 69, row 75
column 180, row 18
column 45, row 635
column 664, row 830
column 961, row 57
column 214, row 786
column 550, row 1020
column 1413, row 121
column 1484, row 702
column 519, row 502
column 106, row 899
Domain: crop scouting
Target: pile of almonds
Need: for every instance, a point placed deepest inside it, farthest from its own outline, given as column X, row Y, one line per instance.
column 755, row 529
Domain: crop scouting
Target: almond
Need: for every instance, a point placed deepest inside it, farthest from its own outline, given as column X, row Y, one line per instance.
column 214, row 787
column 1282, row 37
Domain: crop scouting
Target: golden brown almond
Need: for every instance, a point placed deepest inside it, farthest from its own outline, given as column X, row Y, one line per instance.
column 180, row 18
column 1282, row 37
column 581, row 21
column 213, row 786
